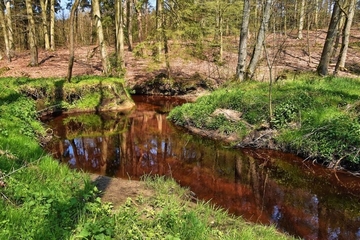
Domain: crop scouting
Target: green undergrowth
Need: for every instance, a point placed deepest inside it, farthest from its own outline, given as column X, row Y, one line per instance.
column 317, row 118
column 42, row 199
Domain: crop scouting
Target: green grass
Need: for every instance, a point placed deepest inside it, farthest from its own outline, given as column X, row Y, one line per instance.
column 170, row 215
column 316, row 117
column 43, row 199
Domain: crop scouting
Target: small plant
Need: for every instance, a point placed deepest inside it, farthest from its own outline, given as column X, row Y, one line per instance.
column 285, row 113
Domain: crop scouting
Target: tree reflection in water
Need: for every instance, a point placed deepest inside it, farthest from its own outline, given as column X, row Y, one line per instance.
column 262, row 186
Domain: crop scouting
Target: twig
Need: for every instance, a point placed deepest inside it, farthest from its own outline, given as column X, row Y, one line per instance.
column 4, row 196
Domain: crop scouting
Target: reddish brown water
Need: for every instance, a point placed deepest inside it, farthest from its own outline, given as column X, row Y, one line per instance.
column 268, row 187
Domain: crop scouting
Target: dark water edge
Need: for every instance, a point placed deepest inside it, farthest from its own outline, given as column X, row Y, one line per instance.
column 263, row 186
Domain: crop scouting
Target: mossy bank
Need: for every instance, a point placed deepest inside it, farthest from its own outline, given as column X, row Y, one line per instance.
column 315, row 118
column 83, row 94
column 42, row 199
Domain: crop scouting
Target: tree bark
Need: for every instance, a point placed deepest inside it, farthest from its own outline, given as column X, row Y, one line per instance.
column 9, row 29
column 138, row 10
column 52, row 25
column 43, row 5
column 301, row 20
column 260, row 40
column 158, row 28
column 340, row 65
column 323, row 66
column 129, row 7
column 71, row 48
column 100, row 32
column 120, row 53
column 6, row 39
column 240, row 69
column 32, row 39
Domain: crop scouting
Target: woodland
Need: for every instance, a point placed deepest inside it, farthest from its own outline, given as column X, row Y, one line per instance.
column 288, row 69
column 250, row 39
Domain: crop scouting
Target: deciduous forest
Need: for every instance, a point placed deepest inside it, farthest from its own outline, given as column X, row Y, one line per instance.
column 257, row 102
column 239, row 39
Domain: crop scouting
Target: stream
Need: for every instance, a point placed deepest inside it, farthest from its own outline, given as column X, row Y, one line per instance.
column 263, row 186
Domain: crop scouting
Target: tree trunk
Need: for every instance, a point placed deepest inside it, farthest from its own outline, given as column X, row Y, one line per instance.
column 52, row 25
column 166, row 46
column 129, row 7
column 301, row 20
column 138, row 10
column 32, row 39
column 260, row 40
column 340, row 65
column 120, row 53
column 102, row 44
column 240, row 69
column 44, row 4
column 71, row 48
column 6, row 39
column 322, row 68
column 158, row 28
column 9, row 29
column 316, row 17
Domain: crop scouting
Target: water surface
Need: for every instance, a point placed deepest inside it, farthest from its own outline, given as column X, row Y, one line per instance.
column 263, row 186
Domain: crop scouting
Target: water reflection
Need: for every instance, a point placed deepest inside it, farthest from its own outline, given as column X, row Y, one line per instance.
column 262, row 186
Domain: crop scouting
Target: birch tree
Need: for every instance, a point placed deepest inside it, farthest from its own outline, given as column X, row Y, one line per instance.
column 120, row 54
column 129, row 15
column 31, row 32
column 340, row 65
column 301, row 20
column 102, row 44
column 71, row 48
column 5, row 34
column 241, row 65
column 323, row 66
column 52, row 25
column 44, row 6
column 159, row 25
column 9, row 28
column 260, row 40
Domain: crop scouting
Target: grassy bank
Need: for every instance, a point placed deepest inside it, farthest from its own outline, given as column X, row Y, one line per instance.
column 42, row 199
column 316, row 118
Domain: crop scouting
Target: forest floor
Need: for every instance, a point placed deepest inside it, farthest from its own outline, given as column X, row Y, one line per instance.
column 287, row 54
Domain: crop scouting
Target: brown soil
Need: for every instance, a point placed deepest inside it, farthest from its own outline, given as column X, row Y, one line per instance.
column 117, row 190
column 291, row 56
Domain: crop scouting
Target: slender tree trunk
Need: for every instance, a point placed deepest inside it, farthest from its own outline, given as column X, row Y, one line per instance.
column 129, row 11
column 9, row 29
column 52, row 25
column 340, row 65
column 158, row 28
column 71, row 48
column 301, row 19
column 221, row 32
column 316, row 17
column 323, row 66
column 166, row 46
column 44, row 4
column 120, row 53
column 260, row 40
column 240, row 69
column 285, row 18
column 100, row 32
column 6, row 39
column 338, row 37
column 138, row 10
column 32, row 38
